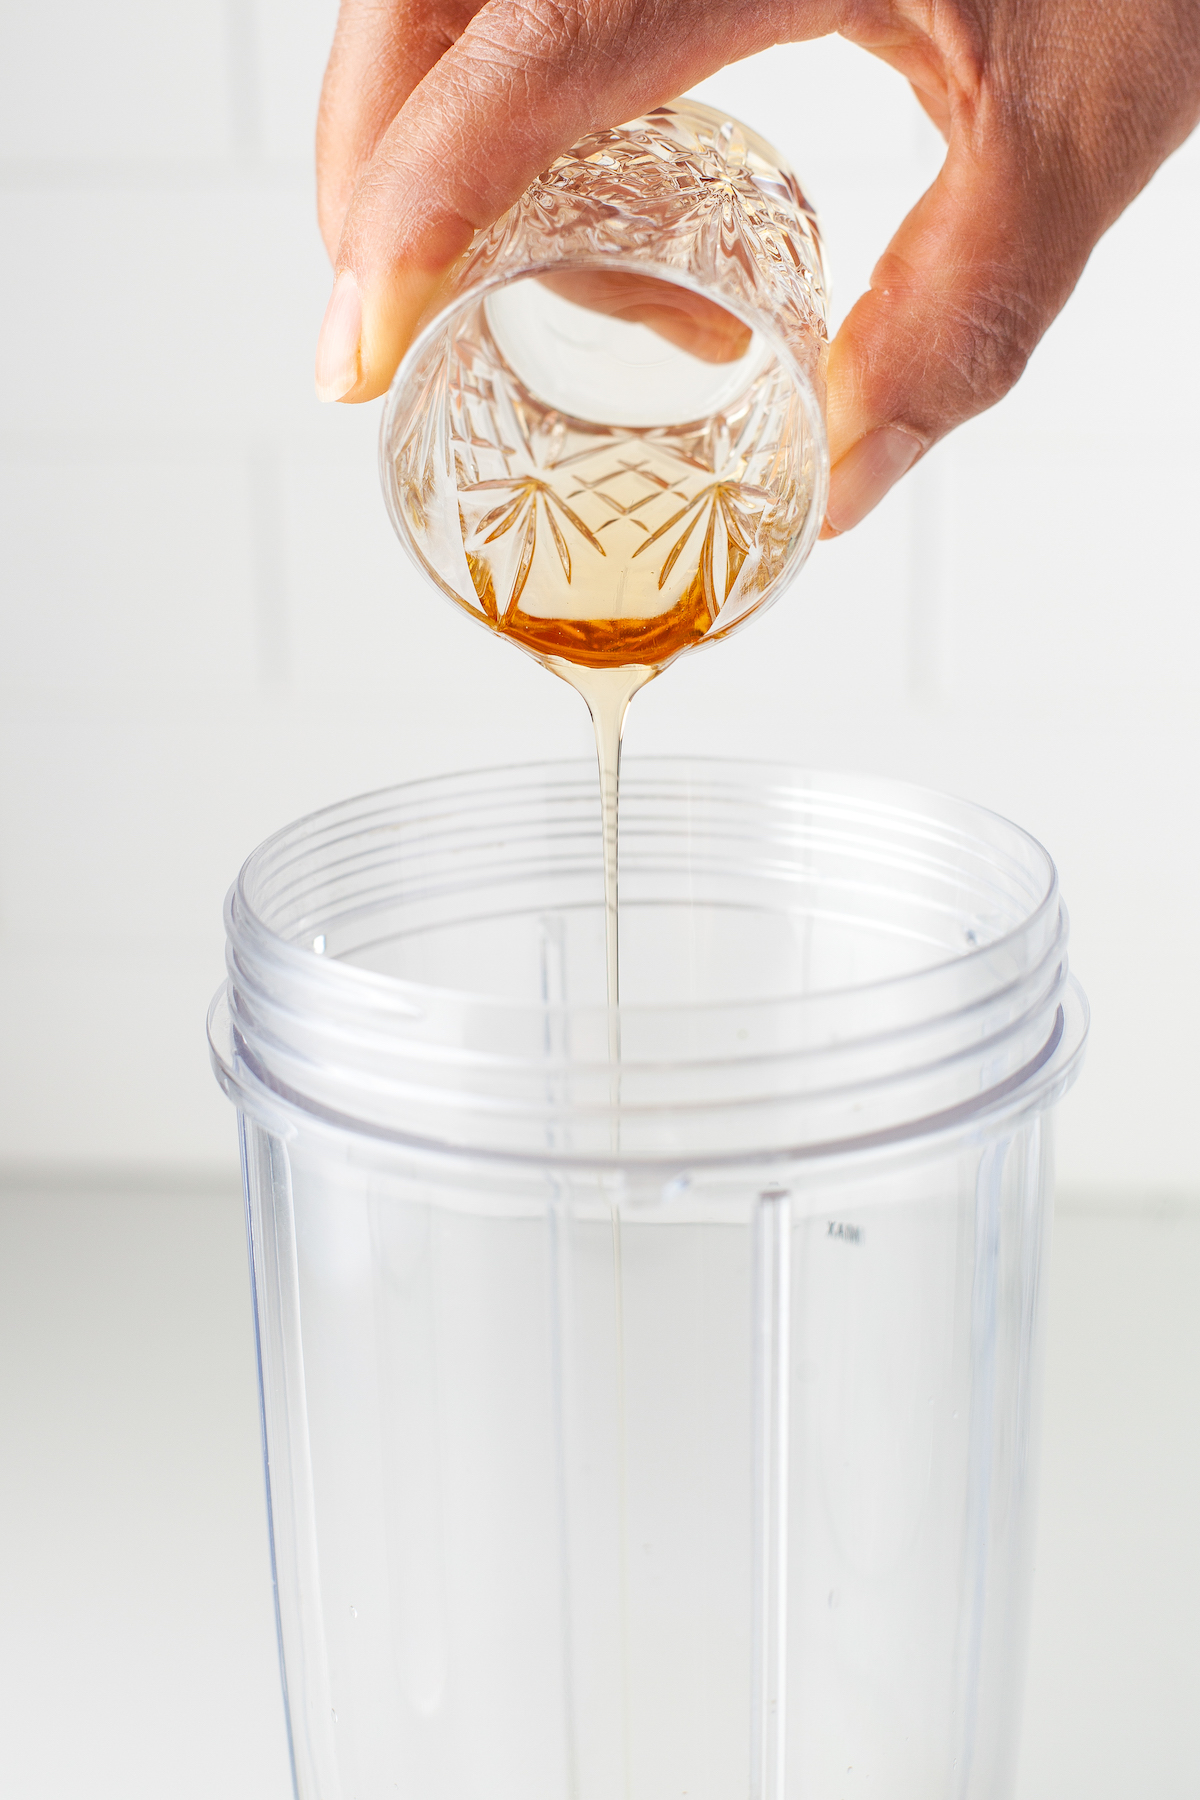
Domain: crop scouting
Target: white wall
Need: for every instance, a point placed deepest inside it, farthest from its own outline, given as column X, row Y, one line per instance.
column 208, row 629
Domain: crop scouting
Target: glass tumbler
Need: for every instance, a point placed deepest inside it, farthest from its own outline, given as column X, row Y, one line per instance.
column 609, row 444
column 667, row 1429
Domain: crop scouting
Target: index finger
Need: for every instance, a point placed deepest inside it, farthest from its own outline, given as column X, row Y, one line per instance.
column 379, row 55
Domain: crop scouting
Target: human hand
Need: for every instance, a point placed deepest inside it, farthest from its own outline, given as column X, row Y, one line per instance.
column 437, row 114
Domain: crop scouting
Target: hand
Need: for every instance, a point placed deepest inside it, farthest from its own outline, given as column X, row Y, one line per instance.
column 436, row 115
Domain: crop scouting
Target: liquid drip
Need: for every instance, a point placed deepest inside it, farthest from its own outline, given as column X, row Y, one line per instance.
column 607, row 693
column 604, row 534
column 622, row 1495
column 606, row 567
column 603, row 549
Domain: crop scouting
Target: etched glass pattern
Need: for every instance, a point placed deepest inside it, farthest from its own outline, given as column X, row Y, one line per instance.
column 517, row 485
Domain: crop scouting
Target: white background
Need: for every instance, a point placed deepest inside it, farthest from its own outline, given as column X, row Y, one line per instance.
column 209, row 629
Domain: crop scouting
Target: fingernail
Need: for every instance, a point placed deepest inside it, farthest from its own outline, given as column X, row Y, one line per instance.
column 337, row 347
column 863, row 476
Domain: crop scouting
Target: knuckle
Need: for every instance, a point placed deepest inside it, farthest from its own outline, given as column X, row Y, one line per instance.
column 529, row 34
column 555, row 24
column 566, row 38
column 991, row 341
column 939, row 358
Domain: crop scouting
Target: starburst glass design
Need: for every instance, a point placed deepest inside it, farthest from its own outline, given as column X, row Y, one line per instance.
column 692, row 193
column 600, row 541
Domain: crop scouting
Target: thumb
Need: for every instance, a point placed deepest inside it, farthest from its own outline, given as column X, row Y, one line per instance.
column 956, row 304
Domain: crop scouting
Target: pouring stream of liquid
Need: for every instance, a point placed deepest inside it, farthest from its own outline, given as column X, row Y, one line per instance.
column 607, row 693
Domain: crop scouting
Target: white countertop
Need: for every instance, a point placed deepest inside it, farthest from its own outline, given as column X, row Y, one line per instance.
column 137, row 1646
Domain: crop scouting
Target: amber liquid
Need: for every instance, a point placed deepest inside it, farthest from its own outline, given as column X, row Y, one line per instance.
column 604, row 551
column 606, row 566
column 606, row 554
column 612, row 643
column 623, row 554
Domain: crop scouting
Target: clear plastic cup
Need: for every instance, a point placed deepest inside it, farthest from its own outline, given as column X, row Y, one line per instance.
column 669, row 1429
column 609, row 444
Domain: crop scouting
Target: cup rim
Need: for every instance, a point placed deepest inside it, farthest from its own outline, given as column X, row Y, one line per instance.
column 1032, row 1019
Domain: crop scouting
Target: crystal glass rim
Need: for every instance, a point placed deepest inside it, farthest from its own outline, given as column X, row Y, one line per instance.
column 759, row 322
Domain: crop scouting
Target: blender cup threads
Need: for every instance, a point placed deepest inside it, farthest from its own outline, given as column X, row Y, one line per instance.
column 609, row 445
column 707, row 1463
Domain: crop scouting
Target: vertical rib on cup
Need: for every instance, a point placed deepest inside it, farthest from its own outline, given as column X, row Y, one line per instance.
column 697, row 1455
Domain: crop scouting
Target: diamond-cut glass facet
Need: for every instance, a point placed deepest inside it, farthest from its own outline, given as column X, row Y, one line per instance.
column 604, row 542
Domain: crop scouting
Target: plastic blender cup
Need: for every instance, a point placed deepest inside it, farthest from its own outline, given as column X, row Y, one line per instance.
column 674, row 1436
